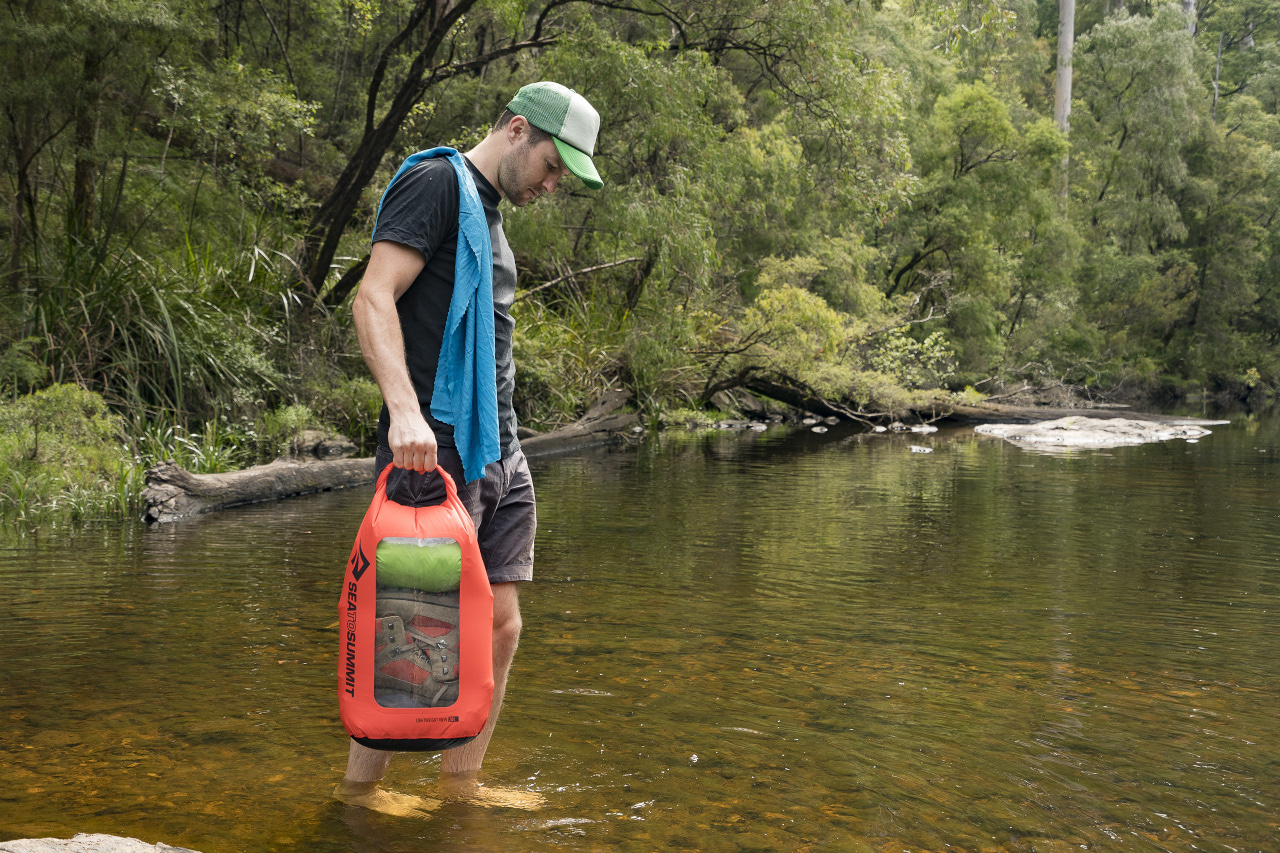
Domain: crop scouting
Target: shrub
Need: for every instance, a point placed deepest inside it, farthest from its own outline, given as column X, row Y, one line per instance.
column 61, row 450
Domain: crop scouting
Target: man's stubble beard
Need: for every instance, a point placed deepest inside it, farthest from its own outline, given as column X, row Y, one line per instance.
column 513, row 173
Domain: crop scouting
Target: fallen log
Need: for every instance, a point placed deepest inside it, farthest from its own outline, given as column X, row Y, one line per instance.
column 172, row 493
column 600, row 424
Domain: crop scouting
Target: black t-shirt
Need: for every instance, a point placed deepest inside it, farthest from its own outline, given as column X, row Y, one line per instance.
column 421, row 211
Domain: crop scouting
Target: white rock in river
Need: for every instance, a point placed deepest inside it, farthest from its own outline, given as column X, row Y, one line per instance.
column 84, row 842
column 1091, row 432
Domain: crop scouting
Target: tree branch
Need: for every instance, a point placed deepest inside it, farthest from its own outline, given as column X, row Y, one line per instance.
column 570, row 275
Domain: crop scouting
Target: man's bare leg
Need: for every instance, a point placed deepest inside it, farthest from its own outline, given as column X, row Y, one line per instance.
column 367, row 765
column 459, row 766
column 464, row 762
column 365, row 770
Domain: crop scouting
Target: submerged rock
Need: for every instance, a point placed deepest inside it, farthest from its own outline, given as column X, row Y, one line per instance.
column 84, row 842
column 1091, row 432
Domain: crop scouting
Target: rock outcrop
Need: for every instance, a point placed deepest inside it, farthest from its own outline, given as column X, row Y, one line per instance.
column 1083, row 432
column 84, row 842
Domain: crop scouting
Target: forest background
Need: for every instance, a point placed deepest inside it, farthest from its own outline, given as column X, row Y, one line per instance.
column 863, row 207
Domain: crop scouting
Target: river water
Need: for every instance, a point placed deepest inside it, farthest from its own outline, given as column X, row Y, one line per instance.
column 772, row 641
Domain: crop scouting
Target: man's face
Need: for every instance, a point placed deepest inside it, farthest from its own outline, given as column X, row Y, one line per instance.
column 528, row 170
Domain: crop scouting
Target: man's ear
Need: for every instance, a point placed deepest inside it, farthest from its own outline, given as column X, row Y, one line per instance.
column 517, row 129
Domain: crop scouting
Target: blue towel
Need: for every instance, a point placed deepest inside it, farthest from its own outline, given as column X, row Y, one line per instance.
column 466, row 387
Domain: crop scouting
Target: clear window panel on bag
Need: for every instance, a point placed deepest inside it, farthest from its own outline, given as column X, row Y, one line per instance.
column 416, row 636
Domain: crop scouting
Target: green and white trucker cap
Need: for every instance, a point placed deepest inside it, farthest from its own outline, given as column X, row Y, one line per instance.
column 571, row 121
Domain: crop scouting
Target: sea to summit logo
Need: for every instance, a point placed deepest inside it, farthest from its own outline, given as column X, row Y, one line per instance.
column 359, row 562
column 436, row 720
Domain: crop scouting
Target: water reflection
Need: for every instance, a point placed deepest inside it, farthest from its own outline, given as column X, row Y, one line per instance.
column 735, row 642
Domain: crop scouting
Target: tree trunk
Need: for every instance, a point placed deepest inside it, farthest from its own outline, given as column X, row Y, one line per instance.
column 173, row 493
column 1062, row 91
column 1217, row 75
column 326, row 229
column 23, row 223
column 601, row 423
column 85, row 178
column 1189, row 6
column 17, row 229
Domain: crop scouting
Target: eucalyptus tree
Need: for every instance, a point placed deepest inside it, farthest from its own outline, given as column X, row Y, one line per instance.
column 1141, row 99
column 1066, row 45
column 1062, row 83
column 1180, row 210
column 431, row 47
column 1243, row 38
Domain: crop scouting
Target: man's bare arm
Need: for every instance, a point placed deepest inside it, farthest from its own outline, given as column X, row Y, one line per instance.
column 392, row 268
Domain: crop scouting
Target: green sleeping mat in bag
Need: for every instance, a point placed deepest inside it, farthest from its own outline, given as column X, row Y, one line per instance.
column 429, row 565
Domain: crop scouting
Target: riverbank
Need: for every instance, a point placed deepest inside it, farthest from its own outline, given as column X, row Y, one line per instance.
column 172, row 494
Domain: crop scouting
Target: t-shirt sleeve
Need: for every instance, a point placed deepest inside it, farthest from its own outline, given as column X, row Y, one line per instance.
column 421, row 208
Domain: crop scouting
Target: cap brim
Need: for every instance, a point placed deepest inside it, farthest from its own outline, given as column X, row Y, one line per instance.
column 578, row 163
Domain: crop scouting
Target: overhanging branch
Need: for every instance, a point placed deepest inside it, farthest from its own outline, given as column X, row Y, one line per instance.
column 570, row 275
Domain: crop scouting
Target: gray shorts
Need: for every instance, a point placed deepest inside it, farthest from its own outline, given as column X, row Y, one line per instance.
column 501, row 504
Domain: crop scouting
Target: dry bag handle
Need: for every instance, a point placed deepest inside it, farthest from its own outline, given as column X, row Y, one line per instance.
column 424, row 486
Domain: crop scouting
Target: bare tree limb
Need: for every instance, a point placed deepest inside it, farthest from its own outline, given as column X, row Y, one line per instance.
column 573, row 273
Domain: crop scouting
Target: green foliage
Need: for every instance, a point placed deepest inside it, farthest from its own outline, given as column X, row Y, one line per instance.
column 212, row 447
column 980, row 238
column 802, row 337
column 854, row 201
column 230, row 110
column 913, row 363
column 281, row 425
column 351, row 405
column 151, row 333
column 962, row 23
column 658, row 355
column 562, row 358
column 61, row 451
column 793, row 338
column 19, row 368
column 1137, row 77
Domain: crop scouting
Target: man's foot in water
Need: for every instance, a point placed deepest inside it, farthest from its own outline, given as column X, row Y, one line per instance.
column 465, row 788
column 368, row 795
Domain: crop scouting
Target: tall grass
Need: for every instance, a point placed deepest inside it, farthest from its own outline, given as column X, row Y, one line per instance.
column 563, row 355
column 213, row 447
column 151, row 333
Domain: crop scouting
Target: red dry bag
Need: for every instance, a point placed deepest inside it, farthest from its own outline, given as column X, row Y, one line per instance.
column 415, row 662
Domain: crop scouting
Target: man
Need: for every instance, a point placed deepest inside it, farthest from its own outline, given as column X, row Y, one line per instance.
column 400, row 313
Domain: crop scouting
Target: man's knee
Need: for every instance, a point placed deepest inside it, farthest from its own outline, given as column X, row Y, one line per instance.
column 507, row 622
